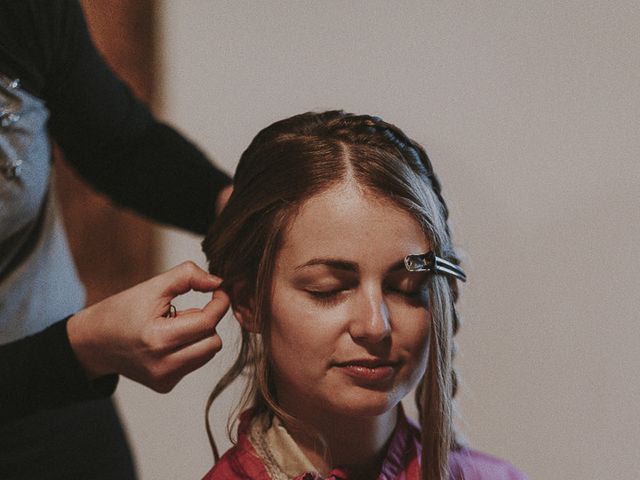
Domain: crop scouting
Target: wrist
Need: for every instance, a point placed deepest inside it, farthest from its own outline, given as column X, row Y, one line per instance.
column 84, row 342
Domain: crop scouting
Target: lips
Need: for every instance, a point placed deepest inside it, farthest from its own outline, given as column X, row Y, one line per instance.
column 367, row 363
column 369, row 370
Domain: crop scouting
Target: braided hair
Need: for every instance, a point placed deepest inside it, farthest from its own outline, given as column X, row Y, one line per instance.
column 289, row 162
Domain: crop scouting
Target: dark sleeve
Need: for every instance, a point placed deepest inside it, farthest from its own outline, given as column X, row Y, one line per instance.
column 113, row 140
column 41, row 371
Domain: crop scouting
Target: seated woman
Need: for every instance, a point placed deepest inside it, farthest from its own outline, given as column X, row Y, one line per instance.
column 337, row 256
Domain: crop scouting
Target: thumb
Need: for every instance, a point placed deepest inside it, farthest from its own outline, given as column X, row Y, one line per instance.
column 217, row 307
column 185, row 277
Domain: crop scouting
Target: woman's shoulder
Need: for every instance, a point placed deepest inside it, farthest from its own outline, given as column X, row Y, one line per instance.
column 474, row 465
column 467, row 463
column 240, row 462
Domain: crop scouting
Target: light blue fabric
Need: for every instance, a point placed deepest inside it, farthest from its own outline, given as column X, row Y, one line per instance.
column 39, row 283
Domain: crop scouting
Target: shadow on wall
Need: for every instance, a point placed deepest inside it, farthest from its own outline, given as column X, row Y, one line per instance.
column 111, row 247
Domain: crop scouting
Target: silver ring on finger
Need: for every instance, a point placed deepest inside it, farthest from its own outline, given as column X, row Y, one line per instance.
column 172, row 312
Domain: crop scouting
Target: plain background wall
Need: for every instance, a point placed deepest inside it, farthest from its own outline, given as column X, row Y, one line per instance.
column 530, row 113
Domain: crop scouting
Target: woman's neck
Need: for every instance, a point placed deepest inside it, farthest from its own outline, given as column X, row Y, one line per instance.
column 358, row 443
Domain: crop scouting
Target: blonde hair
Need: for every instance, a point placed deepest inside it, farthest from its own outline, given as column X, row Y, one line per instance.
column 289, row 162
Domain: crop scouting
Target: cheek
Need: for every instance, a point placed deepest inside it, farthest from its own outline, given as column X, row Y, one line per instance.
column 416, row 341
column 425, row 329
column 301, row 351
column 300, row 336
column 412, row 324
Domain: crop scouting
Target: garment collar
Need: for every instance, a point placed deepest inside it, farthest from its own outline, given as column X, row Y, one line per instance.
column 283, row 459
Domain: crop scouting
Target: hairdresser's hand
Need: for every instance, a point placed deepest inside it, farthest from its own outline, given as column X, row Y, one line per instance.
column 223, row 198
column 129, row 334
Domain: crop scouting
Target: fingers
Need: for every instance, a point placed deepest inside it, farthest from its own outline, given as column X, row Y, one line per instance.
column 217, row 306
column 187, row 276
column 195, row 355
column 175, row 366
column 194, row 324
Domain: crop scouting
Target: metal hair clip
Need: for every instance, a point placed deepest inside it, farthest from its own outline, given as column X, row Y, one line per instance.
column 430, row 262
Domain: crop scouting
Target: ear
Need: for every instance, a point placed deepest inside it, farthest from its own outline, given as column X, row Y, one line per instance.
column 243, row 306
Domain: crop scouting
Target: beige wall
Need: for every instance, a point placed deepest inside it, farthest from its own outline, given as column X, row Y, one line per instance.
column 530, row 113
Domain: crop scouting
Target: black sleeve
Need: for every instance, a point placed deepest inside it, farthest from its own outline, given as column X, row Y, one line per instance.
column 106, row 134
column 116, row 144
column 41, row 371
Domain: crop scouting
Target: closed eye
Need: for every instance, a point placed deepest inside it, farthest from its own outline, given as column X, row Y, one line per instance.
column 414, row 293
column 408, row 293
column 411, row 286
column 326, row 297
column 323, row 293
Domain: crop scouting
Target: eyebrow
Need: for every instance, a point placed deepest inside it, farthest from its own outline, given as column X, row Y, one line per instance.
column 346, row 265
column 331, row 263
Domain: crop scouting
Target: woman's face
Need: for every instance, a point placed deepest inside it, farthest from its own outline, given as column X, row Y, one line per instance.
column 349, row 325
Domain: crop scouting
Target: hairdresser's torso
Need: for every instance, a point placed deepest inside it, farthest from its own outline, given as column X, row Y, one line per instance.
column 38, row 281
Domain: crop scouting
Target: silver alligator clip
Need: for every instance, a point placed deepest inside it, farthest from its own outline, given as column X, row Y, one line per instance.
column 430, row 262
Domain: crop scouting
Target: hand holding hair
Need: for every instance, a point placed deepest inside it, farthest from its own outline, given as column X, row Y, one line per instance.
column 129, row 333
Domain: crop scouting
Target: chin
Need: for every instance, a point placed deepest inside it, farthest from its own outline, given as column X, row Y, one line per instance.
column 365, row 403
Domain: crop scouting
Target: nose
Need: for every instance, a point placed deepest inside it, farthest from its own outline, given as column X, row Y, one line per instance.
column 370, row 321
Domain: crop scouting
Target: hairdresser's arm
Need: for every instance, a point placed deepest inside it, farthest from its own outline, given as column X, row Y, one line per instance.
column 79, row 358
column 114, row 141
column 41, row 371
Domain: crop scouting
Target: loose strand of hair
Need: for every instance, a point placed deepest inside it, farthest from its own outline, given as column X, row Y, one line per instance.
column 435, row 392
column 227, row 379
